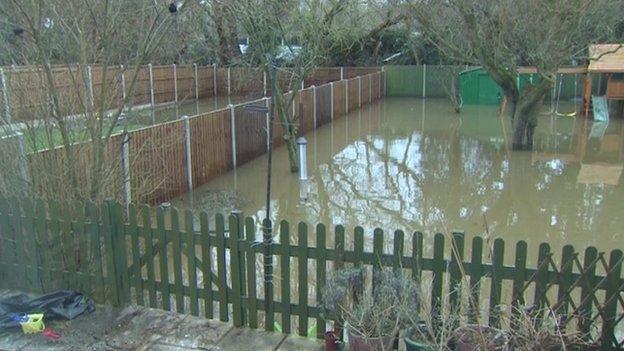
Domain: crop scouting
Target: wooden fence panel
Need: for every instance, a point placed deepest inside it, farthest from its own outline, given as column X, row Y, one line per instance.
column 354, row 94
column 251, row 139
column 323, row 75
column 211, row 145
column 205, row 81
column 141, row 92
column 222, row 81
column 305, row 111
column 158, row 159
column 366, row 90
column 323, row 105
column 163, row 84
column 376, row 86
column 352, row 72
column 107, row 86
column 186, row 82
column 339, row 99
column 246, row 81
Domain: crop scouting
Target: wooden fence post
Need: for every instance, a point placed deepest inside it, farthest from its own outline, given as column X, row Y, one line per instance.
column 267, row 118
column 359, row 91
column 233, row 127
column 196, row 81
column 370, row 88
column 314, row 104
column 151, row 83
column 122, row 79
column 346, row 96
column 5, row 97
column 214, row 79
column 189, row 155
column 237, row 269
column 229, row 81
column 331, row 89
column 424, row 81
column 90, row 87
column 125, row 169
column 175, row 83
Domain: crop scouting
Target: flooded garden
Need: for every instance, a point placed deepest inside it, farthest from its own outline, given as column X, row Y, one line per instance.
column 415, row 165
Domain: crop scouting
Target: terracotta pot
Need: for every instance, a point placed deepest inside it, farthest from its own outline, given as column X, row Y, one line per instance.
column 359, row 343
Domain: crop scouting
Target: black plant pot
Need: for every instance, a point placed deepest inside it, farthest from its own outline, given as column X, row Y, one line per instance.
column 415, row 344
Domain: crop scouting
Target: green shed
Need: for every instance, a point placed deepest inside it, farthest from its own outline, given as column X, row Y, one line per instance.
column 477, row 88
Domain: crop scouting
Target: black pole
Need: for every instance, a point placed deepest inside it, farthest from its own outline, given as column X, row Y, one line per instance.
column 266, row 225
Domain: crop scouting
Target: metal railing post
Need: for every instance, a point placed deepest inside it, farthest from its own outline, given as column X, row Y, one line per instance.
column 233, row 123
column 125, row 169
column 314, row 104
column 341, row 73
column 346, row 96
column 214, row 79
column 196, row 76
column 151, row 83
column 91, row 95
column 424, row 82
column 331, row 89
column 189, row 155
column 122, row 79
column 229, row 81
column 175, row 83
column 267, row 117
column 359, row 91
column 5, row 96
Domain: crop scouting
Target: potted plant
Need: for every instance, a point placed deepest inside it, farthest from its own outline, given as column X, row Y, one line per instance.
column 419, row 338
column 372, row 311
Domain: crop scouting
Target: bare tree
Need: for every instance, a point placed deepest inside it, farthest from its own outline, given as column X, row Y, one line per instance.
column 501, row 35
column 66, row 45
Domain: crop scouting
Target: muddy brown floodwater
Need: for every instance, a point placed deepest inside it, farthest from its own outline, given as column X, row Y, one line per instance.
column 414, row 164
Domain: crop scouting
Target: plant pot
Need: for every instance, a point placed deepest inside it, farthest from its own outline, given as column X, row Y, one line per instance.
column 415, row 344
column 360, row 343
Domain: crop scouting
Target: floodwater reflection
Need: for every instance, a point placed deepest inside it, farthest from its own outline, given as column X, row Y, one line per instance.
column 410, row 164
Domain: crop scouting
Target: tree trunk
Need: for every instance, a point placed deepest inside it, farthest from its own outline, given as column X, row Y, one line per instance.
column 525, row 114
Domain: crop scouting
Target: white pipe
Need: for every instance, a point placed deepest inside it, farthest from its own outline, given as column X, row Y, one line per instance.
column 303, row 162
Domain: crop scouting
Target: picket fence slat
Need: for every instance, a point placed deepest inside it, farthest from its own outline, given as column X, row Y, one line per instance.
column 150, row 260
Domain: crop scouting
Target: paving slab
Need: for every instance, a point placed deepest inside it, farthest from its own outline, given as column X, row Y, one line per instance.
column 196, row 333
column 298, row 343
column 250, row 339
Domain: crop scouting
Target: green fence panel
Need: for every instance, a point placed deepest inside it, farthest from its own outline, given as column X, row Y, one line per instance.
column 404, row 81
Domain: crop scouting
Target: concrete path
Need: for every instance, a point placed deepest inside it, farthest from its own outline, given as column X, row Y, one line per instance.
column 140, row 328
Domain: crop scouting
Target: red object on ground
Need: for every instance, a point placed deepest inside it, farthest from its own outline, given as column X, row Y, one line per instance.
column 51, row 334
column 331, row 342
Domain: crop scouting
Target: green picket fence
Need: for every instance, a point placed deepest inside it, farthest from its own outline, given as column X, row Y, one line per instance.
column 214, row 267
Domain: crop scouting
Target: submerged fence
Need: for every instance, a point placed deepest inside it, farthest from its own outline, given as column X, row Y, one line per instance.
column 157, row 163
column 24, row 89
column 213, row 267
